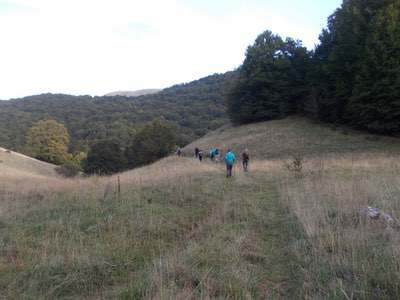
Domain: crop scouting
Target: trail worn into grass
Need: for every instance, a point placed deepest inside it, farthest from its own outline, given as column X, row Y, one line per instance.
column 192, row 236
column 242, row 249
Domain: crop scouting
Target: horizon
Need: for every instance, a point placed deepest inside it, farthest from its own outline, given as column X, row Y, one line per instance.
column 98, row 47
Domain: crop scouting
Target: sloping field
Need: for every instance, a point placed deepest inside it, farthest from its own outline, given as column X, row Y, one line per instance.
column 293, row 137
column 179, row 229
column 17, row 165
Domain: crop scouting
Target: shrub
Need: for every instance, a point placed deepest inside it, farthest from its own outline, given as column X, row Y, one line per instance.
column 68, row 170
column 105, row 158
column 156, row 140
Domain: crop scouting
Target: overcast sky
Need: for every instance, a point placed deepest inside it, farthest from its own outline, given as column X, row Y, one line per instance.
column 95, row 47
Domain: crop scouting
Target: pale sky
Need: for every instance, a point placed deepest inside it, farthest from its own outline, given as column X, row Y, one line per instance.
column 92, row 47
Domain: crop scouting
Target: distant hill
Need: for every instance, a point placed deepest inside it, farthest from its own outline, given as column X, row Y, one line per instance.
column 193, row 108
column 16, row 164
column 133, row 93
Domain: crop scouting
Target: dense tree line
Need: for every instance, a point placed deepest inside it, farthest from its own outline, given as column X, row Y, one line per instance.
column 153, row 141
column 352, row 77
column 48, row 140
column 272, row 80
column 193, row 108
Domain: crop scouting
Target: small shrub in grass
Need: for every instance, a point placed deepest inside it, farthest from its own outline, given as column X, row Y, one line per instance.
column 68, row 170
column 295, row 164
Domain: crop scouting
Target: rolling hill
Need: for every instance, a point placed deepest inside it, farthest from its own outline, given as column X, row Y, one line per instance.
column 178, row 229
column 18, row 165
column 294, row 136
column 193, row 108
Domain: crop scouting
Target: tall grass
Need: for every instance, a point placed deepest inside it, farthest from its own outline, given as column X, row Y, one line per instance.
column 178, row 230
column 346, row 254
column 78, row 238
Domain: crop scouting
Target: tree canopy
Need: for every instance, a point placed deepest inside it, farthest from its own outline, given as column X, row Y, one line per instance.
column 355, row 78
column 156, row 140
column 271, row 80
column 48, row 140
column 351, row 78
column 193, row 108
column 105, row 158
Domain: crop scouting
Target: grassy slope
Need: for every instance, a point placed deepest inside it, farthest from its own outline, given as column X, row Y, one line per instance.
column 180, row 230
column 294, row 136
column 15, row 164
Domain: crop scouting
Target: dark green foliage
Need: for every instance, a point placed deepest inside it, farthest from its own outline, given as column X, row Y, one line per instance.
column 375, row 103
column 194, row 108
column 104, row 158
column 354, row 78
column 68, row 170
column 271, row 82
column 154, row 141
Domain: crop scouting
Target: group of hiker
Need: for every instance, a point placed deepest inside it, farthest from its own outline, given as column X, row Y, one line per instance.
column 229, row 158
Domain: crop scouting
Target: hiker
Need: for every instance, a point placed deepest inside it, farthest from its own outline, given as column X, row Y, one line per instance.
column 196, row 152
column 200, row 155
column 212, row 154
column 245, row 159
column 179, row 151
column 229, row 161
column 216, row 155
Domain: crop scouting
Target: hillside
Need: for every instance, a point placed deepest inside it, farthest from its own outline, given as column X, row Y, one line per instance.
column 194, row 108
column 295, row 136
column 133, row 93
column 178, row 229
column 17, row 165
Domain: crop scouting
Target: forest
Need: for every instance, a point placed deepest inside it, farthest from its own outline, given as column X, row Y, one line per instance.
column 351, row 78
column 192, row 109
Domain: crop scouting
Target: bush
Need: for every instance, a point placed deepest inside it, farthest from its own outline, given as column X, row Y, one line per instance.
column 156, row 140
column 68, row 170
column 105, row 158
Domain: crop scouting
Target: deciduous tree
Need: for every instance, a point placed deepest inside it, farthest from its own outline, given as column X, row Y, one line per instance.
column 48, row 140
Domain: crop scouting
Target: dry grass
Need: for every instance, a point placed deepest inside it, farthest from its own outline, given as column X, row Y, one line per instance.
column 348, row 255
column 282, row 139
column 78, row 238
column 179, row 229
column 14, row 164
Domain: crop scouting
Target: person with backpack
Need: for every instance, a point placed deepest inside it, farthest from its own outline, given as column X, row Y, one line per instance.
column 200, row 155
column 230, row 159
column 212, row 154
column 245, row 160
column 216, row 155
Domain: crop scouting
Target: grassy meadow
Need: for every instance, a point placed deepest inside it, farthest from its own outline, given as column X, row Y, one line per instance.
column 291, row 228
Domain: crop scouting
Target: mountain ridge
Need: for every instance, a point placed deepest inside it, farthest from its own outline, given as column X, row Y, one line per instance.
column 136, row 93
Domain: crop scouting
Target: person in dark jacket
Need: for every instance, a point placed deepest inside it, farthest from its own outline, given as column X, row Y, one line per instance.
column 200, row 155
column 196, row 152
column 245, row 160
